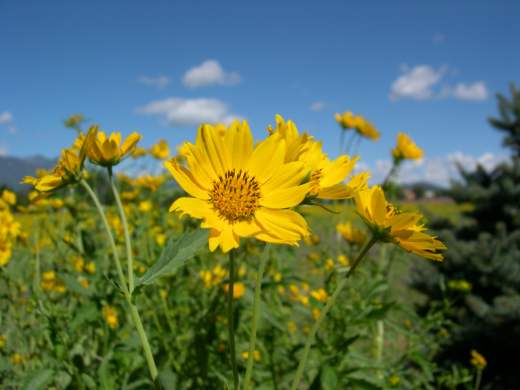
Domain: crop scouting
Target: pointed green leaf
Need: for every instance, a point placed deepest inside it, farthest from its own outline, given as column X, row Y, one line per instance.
column 175, row 254
column 39, row 379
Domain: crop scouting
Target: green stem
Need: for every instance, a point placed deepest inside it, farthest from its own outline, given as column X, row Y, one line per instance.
column 122, row 281
column 231, row 319
column 479, row 379
column 324, row 312
column 128, row 242
column 101, row 212
column 256, row 309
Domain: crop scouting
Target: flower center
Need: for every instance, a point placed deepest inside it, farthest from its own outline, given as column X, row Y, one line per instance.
column 235, row 196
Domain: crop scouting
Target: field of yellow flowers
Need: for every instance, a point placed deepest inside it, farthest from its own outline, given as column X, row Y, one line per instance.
column 249, row 264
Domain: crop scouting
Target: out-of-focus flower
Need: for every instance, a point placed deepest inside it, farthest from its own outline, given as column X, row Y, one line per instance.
column 256, row 355
column 363, row 127
column 460, row 285
column 160, row 150
column 406, row 149
column 401, row 228
column 477, row 360
column 351, row 233
column 239, row 289
column 110, row 315
column 50, row 282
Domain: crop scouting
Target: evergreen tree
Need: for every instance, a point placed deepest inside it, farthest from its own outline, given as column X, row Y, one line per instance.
column 484, row 251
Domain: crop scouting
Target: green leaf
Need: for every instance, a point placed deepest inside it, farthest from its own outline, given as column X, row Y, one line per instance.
column 39, row 379
column 359, row 383
column 177, row 252
column 167, row 379
column 329, row 379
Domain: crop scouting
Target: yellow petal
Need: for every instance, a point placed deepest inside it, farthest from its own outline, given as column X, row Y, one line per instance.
column 337, row 171
column 285, row 197
column 285, row 225
column 288, row 175
column 267, row 157
column 186, row 180
column 239, row 140
column 217, row 152
column 130, row 142
column 378, row 206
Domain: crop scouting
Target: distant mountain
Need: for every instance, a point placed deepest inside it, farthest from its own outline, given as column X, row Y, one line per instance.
column 13, row 169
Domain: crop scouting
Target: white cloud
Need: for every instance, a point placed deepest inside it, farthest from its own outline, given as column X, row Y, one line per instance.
column 158, row 82
column 476, row 91
column 317, row 106
column 437, row 170
column 210, row 72
column 189, row 112
column 5, row 117
column 416, row 83
column 3, row 151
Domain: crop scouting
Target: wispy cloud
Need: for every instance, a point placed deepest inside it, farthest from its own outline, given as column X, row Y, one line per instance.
column 317, row 106
column 476, row 91
column 3, row 151
column 6, row 117
column 157, row 82
column 422, row 82
column 189, row 112
column 416, row 83
column 437, row 170
column 210, row 72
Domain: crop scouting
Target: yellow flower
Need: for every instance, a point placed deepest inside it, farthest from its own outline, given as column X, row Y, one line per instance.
column 16, row 359
column 329, row 264
column 326, row 176
column 79, row 263
column 239, row 289
column 9, row 197
column 74, row 121
column 343, row 260
column 406, row 149
column 477, row 360
column 111, row 316
column 68, row 170
column 51, row 283
column 320, row 295
column 2, row 341
column 256, row 355
column 5, row 251
column 351, row 233
column 460, row 285
column 348, row 120
column 84, row 282
column 160, row 150
column 390, row 225
column 90, row 267
column 145, row 206
column 315, row 313
column 394, row 380
column 138, row 152
column 108, row 151
column 239, row 190
column 291, row 326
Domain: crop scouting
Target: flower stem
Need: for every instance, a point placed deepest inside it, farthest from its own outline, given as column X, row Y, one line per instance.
column 134, row 313
column 324, row 312
column 231, row 319
column 256, row 308
column 99, row 207
column 128, row 242
column 479, row 379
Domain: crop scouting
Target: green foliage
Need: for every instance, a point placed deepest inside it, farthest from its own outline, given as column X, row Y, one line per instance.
column 484, row 253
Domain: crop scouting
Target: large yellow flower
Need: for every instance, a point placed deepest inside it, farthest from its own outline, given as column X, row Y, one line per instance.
column 406, row 148
column 401, row 228
column 239, row 190
column 108, row 151
column 327, row 177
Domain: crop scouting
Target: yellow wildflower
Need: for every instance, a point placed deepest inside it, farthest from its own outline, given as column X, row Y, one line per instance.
column 256, row 355
column 343, row 260
column 239, row 289
column 145, row 206
column 406, row 149
column 291, row 326
column 460, row 285
column 239, row 190
column 320, row 295
column 90, row 267
column 74, row 121
column 108, row 151
column 315, row 313
column 351, row 233
column 394, row 380
column 16, row 359
column 111, row 316
column 401, row 228
column 160, row 150
column 477, row 360
column 3, row 340
column 329, row 264
column 9, row 197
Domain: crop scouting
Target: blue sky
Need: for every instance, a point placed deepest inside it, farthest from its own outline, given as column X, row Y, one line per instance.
column 430, row 69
